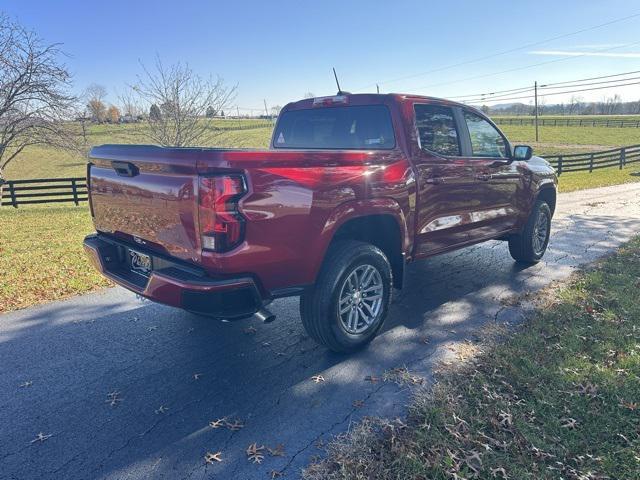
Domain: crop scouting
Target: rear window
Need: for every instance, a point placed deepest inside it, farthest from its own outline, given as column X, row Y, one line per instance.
column 366, row 127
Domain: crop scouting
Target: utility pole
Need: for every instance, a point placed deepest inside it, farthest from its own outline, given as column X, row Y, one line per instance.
column 377, row 88
column 535, row 87
column 238, row 110
column 266, row 111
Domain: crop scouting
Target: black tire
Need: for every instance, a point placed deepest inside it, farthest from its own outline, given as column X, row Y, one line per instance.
column 319, row 305
column 530, row 245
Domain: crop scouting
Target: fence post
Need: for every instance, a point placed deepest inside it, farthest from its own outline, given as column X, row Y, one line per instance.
column 623, row 157
column 591, row 163
column 12, row 192
column 75, row 191
column 560, row 165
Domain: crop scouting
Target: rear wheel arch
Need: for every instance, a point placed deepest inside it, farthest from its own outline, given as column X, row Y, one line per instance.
column 384, row 231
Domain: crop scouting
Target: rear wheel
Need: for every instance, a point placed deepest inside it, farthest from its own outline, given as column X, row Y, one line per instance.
column 530, row 245
column 350, row 299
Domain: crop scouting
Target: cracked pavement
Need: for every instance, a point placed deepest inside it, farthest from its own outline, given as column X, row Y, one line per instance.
column 78, row 351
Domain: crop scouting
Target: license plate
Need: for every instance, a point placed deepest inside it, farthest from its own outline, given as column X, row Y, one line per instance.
column 140, row 263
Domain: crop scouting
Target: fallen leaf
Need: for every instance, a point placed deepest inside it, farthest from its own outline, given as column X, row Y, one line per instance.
column 235, row 426
column 278, row 451
column 221, row 422
column 196, row 376
column 41, row 437
column 255, row 453
column 26, row 384
column 161, row 409
column 113, row 398
column 212, row 457
column 569, row 423
column 276, row 474
column 317, row 378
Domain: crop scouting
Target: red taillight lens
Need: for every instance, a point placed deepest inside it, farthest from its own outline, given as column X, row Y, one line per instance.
column 221, row 224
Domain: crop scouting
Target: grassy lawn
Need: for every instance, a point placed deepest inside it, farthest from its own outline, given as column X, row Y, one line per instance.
column 41, row 255
column 559, row 399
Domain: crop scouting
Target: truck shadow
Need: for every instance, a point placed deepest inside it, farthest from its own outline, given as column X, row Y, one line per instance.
column 78, row 352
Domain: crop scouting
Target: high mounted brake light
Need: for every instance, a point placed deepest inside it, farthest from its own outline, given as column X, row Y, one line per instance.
column 221, row 223
column 333, row 100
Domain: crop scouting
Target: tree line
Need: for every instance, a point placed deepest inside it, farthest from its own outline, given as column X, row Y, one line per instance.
column 612, row 105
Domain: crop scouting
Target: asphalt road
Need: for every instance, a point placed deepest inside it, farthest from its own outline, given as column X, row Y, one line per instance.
column 173, row 372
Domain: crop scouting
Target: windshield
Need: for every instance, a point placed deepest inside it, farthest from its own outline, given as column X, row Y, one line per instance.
column 366, row 127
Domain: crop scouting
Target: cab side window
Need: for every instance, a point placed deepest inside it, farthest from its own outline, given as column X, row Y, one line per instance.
column 486, row 141
column 437, row 129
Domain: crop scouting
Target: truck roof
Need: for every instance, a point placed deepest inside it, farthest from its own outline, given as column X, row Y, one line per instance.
column 373, row 98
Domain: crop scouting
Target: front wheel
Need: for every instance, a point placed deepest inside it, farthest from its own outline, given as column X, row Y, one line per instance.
column 349, row 301
column 530, row 245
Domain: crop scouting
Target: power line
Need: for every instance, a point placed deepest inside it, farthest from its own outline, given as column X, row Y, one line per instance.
column 547, row 85
column 524, row 67
column 504, row 52
column 559, row 93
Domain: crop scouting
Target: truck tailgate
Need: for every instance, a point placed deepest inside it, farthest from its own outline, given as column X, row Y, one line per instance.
column 147, row 196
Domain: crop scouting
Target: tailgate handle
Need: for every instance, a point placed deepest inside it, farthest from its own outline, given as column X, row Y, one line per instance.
column 125, row 169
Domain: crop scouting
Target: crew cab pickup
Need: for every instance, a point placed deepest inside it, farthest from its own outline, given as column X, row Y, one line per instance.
column 352, row 188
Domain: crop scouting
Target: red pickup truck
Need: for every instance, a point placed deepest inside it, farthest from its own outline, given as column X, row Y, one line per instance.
column 352, row 188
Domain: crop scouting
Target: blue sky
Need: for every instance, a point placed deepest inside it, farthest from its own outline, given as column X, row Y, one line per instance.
column 278, row 50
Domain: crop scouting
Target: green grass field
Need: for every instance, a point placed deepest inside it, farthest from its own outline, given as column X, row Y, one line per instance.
column 41, row 257
column 559, row 399
column 42, row 162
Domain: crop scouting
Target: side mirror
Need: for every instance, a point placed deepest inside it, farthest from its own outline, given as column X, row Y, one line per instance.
column 522, row 152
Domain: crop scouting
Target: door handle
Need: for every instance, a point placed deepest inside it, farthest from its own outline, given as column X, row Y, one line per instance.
column 485, row 177
column 434, row 180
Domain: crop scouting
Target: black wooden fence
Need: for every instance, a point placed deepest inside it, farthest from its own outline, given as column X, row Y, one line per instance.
column 583, row 162
column 44, row 190
column 74, row 190
column 570, row 122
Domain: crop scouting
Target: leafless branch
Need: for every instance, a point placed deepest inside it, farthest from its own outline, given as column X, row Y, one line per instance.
column 178, row 100
column 35, row 103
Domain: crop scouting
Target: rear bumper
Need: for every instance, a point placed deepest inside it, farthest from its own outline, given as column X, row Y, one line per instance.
column 174, row 283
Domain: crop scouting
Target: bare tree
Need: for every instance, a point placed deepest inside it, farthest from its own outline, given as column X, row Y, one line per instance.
column 275, row 110
column 574, row 104
column 183, row 98
column 130, row 107
column 35, row 102
column 96, row 95
column 611, row 105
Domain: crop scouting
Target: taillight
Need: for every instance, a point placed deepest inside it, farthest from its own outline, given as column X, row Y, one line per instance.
column 221, row 224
